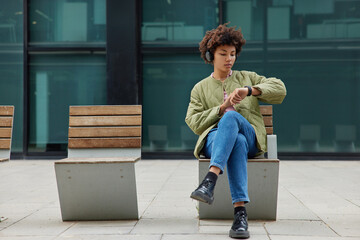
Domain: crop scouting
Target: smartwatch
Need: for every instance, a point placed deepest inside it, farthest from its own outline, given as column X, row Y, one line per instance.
column 250, row 90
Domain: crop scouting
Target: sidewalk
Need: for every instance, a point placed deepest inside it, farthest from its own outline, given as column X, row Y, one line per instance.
column 318, row 200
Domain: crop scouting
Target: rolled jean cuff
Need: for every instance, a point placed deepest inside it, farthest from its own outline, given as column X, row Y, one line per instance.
column 217, row 165
column 245, row 200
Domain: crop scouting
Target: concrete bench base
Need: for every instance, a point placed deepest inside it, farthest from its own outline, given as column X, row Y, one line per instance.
column 97, row 188
column 4, row 155
column 263, row 177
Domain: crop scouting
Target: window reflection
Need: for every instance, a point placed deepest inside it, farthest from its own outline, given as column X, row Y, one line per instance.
column 247, row 14
column 56, row 82
column 309, row 19
column 67, row 22
column 175, row 21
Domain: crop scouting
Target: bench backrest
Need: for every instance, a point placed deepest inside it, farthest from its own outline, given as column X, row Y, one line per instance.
column 6, row 126
column 111, row 126
column 267, row 113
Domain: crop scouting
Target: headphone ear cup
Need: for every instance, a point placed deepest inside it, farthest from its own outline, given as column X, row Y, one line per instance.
column 209, row 57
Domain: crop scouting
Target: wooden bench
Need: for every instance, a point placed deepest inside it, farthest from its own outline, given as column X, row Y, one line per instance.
column 97, row 180
column 263, row 176
column 6, row 126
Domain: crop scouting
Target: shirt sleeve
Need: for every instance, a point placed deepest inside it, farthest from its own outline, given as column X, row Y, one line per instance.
column 272, row 90
column 197, row 117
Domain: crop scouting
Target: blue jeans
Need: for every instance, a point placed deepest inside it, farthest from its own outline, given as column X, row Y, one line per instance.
column 230, row 144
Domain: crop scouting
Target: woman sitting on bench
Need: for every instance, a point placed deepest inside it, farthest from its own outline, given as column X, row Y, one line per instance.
column 224, row 111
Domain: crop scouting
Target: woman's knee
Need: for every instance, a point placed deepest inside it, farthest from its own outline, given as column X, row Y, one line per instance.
column 241, row 142
column 229, row 117
column 231, row 114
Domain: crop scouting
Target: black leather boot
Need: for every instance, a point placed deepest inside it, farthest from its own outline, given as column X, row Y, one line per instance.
column 239, row 228
column 205, row 191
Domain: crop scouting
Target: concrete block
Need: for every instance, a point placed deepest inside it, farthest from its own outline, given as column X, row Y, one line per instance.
column 263, row 177
column 97, row 189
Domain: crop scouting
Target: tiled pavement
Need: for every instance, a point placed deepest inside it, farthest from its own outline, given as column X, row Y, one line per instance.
column 318, row 200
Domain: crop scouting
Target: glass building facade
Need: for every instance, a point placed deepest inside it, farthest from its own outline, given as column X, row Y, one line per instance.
column 54, row 54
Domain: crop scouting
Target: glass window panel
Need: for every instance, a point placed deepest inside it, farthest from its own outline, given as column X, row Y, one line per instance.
column 174, row 22
column 67, row 22
column 320, row 112
column 56, row 82
column 246, row 14
column 11, row 65
column 313, row 19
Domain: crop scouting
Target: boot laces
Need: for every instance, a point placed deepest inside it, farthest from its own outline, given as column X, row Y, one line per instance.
column 240, row 219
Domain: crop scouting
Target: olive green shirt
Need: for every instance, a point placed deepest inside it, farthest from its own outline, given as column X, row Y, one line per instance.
column 208, row 94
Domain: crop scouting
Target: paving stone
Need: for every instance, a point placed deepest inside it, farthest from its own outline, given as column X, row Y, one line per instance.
column 209, row 237
column 211, row 222
column 110, row 237
column 287, row 237
column 171, row 212
column 100, row 228
column 163, row 226
column 28, row 238
column 289, row 207
column 254, row 230
column 45, row 222
column 346, row 225
column 299, row 228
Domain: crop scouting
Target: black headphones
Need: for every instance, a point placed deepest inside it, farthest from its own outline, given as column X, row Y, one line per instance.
column 208, row 55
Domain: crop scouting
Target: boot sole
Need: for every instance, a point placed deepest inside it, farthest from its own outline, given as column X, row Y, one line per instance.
column 241, row 235
column 202, row 198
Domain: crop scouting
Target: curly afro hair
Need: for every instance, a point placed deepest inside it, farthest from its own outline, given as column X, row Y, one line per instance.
column 222, row 35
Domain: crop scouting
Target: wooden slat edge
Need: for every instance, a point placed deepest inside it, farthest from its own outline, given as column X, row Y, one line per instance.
column 266, row 110
column 6, row 121
column 105, row 110
column 104, row 143
column 78, row 121
column 5, row 132
column 104, row 132
column 268, row 121
column 269, row 130
column 7, row 110
column 5, row 143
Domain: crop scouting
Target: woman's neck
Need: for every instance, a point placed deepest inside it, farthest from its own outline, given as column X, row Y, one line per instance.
column 220, row 75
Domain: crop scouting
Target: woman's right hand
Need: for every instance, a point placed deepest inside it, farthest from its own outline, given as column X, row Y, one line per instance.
column 235, row 97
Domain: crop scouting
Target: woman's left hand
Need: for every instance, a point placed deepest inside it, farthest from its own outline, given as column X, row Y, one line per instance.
column 240, row 93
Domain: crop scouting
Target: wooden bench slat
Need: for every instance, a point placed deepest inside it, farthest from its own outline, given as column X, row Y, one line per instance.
column 105, row 110
column 5, row 132
column 268, row 121
column 5, row 143
column 269, row 130
column 266, row 110
column 6, row 121
column 6, row 110
column 104, row 132
column 104, row 142
column 105, row 121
